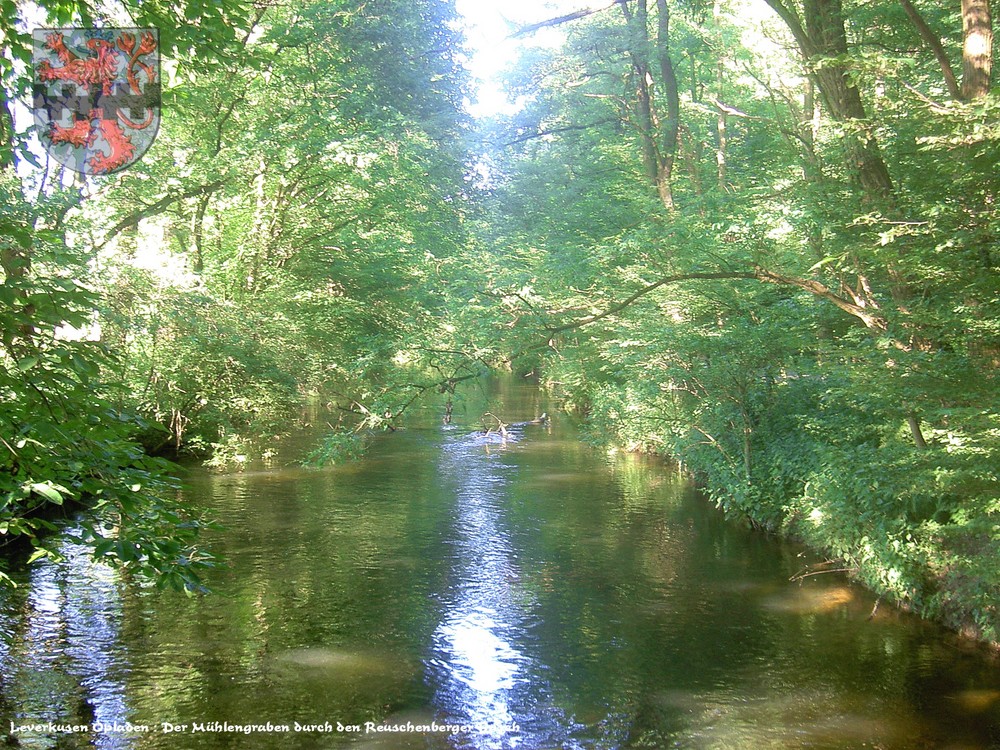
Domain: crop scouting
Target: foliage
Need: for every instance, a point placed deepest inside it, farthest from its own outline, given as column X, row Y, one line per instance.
column 811, row 332
column 199, row 366
column 760, row 244
column 283, row 237
column 65, row 441
column 338, row 447
column 304, row 241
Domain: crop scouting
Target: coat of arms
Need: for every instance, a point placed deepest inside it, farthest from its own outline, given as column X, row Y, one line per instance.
column 96, row 95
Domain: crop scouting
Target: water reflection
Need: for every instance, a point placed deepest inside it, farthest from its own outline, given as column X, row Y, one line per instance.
column 483, row 675
column 64, row 658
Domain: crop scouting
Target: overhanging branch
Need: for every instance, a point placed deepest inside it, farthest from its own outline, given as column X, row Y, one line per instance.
column 867, row 315
column 557, row 131
column 532, row 28
column 156, row 208
column 631, row 299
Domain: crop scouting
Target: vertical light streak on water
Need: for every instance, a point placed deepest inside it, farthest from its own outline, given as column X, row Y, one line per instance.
column 69, row 649
column 484, row 677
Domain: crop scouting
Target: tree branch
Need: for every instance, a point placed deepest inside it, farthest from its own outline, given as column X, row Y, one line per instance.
column 153, row 209
column 933, row 41
column 628, row 301
column 556, row 131
column 867, row 315
column 532, row 28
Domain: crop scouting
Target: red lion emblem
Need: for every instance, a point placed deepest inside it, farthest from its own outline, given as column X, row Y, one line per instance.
column 113, row 78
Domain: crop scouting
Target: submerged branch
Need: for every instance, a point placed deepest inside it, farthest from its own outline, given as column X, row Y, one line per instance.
column 811, row 570
column 800, row 576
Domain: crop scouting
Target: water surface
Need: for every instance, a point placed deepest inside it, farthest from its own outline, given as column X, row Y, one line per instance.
column 528, row 593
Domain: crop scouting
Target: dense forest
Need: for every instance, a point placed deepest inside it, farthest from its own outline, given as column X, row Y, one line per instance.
column 753, row 236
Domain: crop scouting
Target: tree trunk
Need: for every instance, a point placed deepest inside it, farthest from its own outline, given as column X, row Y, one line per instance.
column 636, row 22
column 197, row 233
column 977, row 48
column 747, row 455
column 691, row 150
column 824, row 24
column 720, row 119
column 822, row 39
column 6, row 133
column 658, row 135
column 644, row 118
column 918, row 436
column 721, row 123
column 671, row 126
column 15, row 261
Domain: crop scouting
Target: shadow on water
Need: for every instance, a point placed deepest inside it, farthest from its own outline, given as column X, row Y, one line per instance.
column 528, row 593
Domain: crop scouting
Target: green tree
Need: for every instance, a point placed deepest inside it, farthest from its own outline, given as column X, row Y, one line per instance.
column 808, row 332
column 283, row 236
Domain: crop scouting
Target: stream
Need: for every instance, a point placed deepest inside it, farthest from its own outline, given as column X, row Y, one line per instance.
column 460, row 590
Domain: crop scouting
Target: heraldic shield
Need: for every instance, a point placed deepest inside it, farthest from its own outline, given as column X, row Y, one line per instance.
column 96, row 95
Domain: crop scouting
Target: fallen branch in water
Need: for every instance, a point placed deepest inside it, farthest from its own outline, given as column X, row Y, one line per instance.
column 800, row 576
column 874, row 609
column 810, row 570
column 501, row 426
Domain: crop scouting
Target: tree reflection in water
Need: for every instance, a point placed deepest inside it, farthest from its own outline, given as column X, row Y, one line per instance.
column 68, row 653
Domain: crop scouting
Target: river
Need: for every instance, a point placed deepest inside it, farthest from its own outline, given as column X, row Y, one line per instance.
column 454, row 590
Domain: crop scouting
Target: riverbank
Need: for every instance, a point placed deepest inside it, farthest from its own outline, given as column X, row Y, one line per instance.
column 917, row 526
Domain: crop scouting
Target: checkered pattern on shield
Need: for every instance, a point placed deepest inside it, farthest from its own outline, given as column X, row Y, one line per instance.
column 96, row 95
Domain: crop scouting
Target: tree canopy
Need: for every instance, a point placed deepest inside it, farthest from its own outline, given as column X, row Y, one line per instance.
column 760, row 238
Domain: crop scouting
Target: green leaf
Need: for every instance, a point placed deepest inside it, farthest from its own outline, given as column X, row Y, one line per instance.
column 19, row 234
column 102, row 548
column 48, row 491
